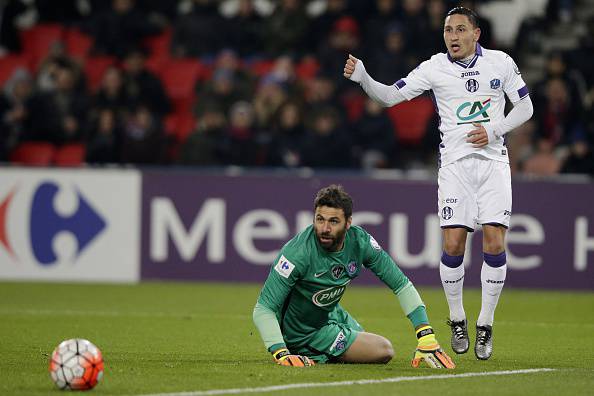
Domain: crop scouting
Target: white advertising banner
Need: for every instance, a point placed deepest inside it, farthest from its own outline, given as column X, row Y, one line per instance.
column 70, row 225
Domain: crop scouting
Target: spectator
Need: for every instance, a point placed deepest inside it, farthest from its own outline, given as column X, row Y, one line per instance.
column 245, row 30
column 207, row 144
column 59, row 116
column 241, row 134
column 321, row 25
column 271, row 94
column 343, row 39
column 222, row 90
column 580, row 159
column 65, row 12
column 141, row 86
column 111, row 94
column 287, row 136
column 390, row 61
column 558, row 118
column 143, row 138
column 9, row 33
column 14, row 110
column 376, row 26
column 285, row 30
column 326, row 143
column 374, row 144
column 120, row 29
column 193, row 35
column 104, row 144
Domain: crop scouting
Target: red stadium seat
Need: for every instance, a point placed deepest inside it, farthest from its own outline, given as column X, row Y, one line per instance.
column 410, row 119
column 307, row 68
column 158, row 45
column 70, row 155
column 179, row 77
column 78, row 44
column 260, row 68
column 33, row 154
column 9, row 64
column 95, row 68
column 38, row 40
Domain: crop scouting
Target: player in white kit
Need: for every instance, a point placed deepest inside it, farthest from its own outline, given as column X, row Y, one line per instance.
column 468, row 85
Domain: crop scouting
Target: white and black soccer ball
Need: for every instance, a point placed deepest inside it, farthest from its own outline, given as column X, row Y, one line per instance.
column 76, row 364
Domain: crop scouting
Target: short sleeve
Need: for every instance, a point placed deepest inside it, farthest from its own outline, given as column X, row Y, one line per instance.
column 514, row 86
column 417, row 81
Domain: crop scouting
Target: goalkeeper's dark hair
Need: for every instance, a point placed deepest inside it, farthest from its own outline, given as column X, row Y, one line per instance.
column 334, row 196
column 472, row 16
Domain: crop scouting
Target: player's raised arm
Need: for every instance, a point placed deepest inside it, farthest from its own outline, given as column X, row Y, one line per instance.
column 386, row 95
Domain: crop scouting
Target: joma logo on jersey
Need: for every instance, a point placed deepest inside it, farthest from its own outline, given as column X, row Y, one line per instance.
column 329, row 296
column 469, row 112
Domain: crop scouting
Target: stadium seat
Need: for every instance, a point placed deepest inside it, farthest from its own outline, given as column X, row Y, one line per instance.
column 179, row 77
column 180, row 125
column 9, row 64
column 78, row 44
column 158, row 45
column 260, row 68
column 33, row 154
column 95, row 68
column 307, row 68
column 73, row 154
column 38, row 40
column 410, row 119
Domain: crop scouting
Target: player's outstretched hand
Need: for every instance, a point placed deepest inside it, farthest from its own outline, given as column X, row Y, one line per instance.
column 284, row 358
column 429, row 351
column 353, row 69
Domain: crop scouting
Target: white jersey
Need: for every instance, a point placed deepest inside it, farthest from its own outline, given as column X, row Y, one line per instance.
column 464, row 94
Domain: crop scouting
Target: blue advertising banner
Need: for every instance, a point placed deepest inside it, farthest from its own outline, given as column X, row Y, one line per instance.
column 198, row 226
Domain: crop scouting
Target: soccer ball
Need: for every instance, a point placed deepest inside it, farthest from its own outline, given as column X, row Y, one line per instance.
column 76, row 364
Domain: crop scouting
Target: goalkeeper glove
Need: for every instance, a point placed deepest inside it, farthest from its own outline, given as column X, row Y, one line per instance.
column 284, row 358
column 428, row 350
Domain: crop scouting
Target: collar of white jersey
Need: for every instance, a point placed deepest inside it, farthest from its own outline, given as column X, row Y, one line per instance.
column 478, row 52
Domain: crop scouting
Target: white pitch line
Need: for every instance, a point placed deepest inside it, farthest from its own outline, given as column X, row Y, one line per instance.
column 274, row 388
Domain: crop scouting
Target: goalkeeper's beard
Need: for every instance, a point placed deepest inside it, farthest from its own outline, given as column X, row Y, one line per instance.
column 335, row 242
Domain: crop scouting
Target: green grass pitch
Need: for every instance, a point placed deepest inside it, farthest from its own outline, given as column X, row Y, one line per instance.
column 160, row 338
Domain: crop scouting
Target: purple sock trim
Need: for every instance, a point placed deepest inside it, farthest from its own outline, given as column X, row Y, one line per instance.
column 451, row 261
column 495, row 260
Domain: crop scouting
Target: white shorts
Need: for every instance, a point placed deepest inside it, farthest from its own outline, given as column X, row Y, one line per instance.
column 474, row 190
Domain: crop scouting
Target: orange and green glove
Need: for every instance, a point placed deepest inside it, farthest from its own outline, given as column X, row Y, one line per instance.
column 429, row 351
column 284, row 358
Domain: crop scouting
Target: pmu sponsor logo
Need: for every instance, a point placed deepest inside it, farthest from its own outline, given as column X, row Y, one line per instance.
column 470, row 112
column 45, row 222
column 329, row 296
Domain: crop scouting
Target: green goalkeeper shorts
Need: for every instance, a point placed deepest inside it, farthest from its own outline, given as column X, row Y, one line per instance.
column 332, row 340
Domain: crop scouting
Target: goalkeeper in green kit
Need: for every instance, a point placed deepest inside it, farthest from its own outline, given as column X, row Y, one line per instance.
column 298, row 312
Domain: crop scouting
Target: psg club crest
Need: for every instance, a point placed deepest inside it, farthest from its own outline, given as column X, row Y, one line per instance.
column 352, row 268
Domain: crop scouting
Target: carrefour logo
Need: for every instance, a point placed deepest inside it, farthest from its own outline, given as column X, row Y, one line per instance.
column 329, row 296
column 470, row 112
column 45, row 223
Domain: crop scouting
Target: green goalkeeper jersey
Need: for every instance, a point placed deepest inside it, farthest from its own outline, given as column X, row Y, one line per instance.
column 306, row 282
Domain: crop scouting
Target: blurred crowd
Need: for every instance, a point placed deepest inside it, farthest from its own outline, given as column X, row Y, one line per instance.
column 259, row 83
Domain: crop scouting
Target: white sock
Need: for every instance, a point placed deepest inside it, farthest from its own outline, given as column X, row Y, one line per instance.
column 492, row 280
column 452, row 280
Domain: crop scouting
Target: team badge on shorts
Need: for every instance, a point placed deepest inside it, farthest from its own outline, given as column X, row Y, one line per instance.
column 447, row 212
